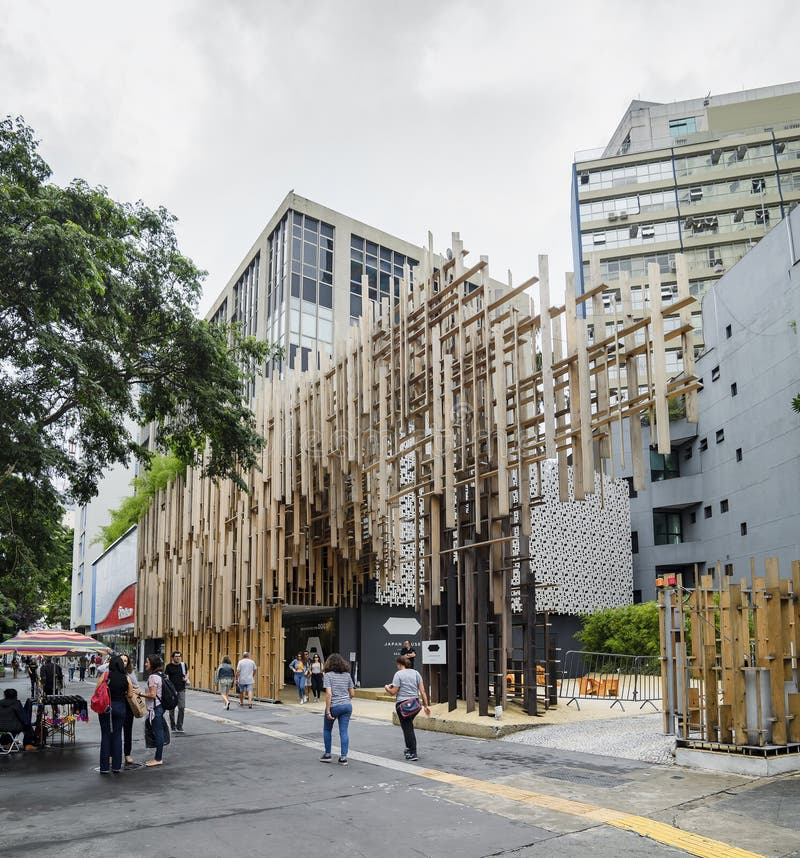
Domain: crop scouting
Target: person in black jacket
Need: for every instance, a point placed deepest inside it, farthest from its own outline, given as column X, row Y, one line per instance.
column 13, row 719
column 177, row 672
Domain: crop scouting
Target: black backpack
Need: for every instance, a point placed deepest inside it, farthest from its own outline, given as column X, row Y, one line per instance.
column 169, row 696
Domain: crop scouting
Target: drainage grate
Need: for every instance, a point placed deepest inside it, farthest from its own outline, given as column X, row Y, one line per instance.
column 577, row 776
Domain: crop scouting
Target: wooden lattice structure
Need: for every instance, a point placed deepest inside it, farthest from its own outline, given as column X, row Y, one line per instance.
column 451, row 397
column 730, row 660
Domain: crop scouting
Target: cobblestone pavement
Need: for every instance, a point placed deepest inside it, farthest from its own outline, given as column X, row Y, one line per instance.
column 633, row 738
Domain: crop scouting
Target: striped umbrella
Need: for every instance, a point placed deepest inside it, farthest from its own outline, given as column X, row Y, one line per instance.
column 51, row 642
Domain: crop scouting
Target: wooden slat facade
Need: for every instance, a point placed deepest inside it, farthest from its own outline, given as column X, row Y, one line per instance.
column 477, row 391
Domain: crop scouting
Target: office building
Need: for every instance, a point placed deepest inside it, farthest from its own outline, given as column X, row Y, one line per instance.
column 707, row 177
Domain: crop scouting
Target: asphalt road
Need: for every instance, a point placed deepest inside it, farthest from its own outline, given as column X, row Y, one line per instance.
column 249, row 782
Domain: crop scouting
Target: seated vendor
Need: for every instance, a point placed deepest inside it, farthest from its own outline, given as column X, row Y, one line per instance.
column 13, row 718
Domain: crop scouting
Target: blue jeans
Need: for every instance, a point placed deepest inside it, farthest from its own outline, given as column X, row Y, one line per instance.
column 158, row 731
column 111, row 724
column 300, row 682
column 340, row 713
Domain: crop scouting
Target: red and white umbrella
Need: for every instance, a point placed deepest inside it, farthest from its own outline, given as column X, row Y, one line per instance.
column 52, row 642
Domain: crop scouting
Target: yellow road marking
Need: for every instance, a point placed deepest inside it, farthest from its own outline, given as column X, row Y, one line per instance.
column 694, row 844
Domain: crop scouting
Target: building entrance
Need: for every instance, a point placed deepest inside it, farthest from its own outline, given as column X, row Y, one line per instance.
column 312, row 629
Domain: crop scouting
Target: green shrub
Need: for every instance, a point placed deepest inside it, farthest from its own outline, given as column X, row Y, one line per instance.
column 630, row 630
column 160, row 471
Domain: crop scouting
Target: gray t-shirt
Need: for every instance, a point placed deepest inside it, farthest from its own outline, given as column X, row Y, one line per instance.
column 408, row 681
column 246, row 668
column 340, row 685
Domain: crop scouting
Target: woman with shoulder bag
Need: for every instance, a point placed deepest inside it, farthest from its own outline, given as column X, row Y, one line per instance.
column 407, row 686
column 223, row 678
column 113, row 720
column 127, row 727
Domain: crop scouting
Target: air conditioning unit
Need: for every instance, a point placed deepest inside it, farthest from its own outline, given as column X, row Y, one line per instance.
column 612, row 215
column 623, row 215
column 716, row 154
column 688, row 223
column 738, row 216
column 584, row 178
column 634, row 230
column 673, row 267
column 695, row 194
column 741, row 151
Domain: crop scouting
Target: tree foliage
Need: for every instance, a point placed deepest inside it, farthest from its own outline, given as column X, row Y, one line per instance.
column 98, row 334
column 796, row 403
column 159, row 473
column 630, row 630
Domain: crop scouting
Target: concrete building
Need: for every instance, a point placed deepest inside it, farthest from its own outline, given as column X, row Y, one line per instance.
column 112, row 488
column 707, row 177
column 299, row 285
column 730, row 489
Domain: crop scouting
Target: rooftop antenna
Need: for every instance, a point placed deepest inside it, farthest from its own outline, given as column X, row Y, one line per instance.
column 707, row 99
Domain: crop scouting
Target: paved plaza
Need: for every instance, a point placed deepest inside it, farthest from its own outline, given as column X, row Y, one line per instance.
column 248, row 782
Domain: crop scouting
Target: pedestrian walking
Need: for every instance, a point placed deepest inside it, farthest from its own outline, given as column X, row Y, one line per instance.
column 15, row 666
column 407, row 686
column 245, row 678
column 177, row 672
column 298, row 669
column 82, row 668
column 315, row 673
column 33, row 675
column 112, row 721
column 155, row 711
column 339, row 691
column 127, row 727
column 224, row 678
column 71, row 665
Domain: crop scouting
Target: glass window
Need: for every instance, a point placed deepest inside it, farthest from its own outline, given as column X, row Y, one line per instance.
column 325, row 295
column 667, row 528
column 663, row 466
column 355, row 306
column 326, row 230
column 309, row 290
column 357, row 242
column 682, row 127
column 325, row 331
column 309, row 254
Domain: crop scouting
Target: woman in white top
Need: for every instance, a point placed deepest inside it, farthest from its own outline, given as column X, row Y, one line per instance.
column 407, row 685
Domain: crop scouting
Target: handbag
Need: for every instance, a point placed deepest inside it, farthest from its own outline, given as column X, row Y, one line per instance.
column 150, row 735
column 137, row 704
column 409, row 708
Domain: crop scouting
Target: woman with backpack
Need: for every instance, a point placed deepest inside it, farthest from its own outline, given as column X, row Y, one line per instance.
column 223, row 678
column 112, row 720
column 155, row 711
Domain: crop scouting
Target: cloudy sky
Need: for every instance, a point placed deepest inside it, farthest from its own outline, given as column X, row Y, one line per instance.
column 407, row 115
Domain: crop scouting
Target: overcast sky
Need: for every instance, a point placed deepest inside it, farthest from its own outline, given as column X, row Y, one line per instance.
column 407, row 115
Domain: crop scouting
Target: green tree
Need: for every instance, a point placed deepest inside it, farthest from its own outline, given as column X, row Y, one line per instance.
column 796, row 403
column 35, row 553
column 97, row 329
column 630, row 630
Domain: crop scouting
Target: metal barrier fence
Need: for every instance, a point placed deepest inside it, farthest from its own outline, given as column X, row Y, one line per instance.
column 605, row 676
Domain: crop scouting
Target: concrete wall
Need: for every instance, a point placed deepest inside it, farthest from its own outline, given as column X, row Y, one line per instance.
column 751, row 320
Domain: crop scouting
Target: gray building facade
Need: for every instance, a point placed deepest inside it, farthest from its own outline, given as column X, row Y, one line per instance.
column 729, row 491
